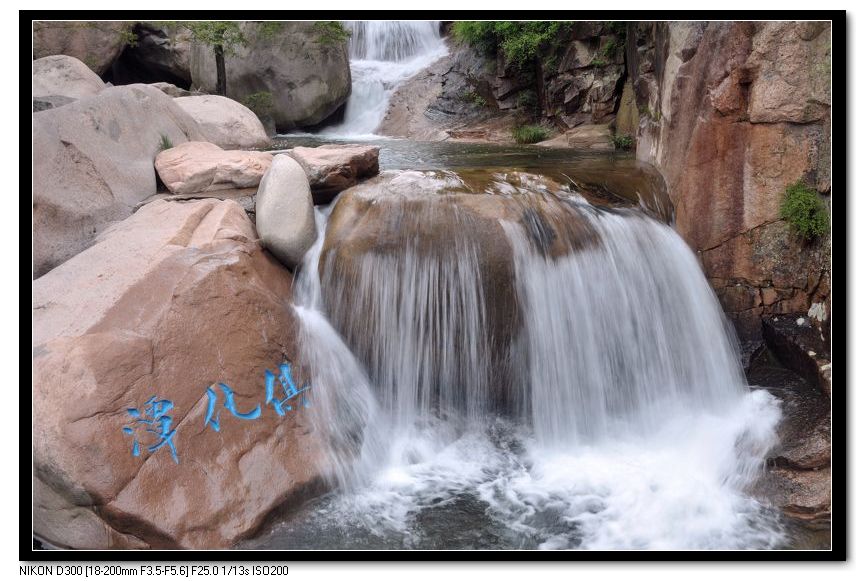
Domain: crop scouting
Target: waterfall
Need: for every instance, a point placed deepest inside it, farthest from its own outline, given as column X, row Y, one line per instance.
column 344, row 406
column 383, row 55
column 587, row 394
column 619, row 336
column 391, row 41
column 417, row 320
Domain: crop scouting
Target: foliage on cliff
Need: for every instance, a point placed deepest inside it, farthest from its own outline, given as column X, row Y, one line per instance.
column 520, row 42
column 805, row 211
column 331, row 32
column 225, row 34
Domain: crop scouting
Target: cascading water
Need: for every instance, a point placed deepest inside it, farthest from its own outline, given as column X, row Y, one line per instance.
column 633, row 319
column 582, row 392
column 383, row 54
column 344, row 403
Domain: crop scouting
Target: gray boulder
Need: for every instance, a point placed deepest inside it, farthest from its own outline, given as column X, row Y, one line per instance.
column 284, row 216
column 93, row 162
column 96, row 44
column 224, row 122
column 64, row 76
column 307, row 77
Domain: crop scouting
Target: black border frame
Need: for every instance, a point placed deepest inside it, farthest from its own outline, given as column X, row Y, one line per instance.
column 840, row 432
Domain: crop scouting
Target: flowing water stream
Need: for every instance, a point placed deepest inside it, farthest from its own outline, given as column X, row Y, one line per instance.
column 575, row 387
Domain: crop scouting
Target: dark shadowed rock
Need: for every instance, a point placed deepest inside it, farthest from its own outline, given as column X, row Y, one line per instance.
column 798, row 475
column 161, row 53
column 802, row 344
column 586, row 85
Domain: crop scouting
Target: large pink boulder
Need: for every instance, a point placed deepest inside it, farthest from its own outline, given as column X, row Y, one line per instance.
column 175, row 298
column 198, row 166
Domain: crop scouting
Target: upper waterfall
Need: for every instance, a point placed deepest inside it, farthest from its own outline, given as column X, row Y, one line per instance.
column 383, row 55
column 392, row 41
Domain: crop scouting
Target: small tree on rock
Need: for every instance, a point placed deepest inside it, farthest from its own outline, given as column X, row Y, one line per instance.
column 224, row 36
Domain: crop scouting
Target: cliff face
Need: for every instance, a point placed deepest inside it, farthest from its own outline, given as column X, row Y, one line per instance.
column 732, row 114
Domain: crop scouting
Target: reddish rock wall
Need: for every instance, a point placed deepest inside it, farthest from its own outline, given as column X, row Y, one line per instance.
column 731, row 114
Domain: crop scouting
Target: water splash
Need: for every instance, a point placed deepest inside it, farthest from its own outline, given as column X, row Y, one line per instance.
column 383, row 55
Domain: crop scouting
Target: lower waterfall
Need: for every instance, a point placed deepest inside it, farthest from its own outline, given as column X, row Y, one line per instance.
column 596, row 401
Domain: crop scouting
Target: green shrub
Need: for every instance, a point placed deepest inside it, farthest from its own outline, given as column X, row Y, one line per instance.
column 805, row 211
column 519, row 41
column 261, row 103
column 128, row 36
column 529, row 133
column 622, row 141
column 165, row 142
column 479, row 34
column 225, row 36
column 474, row 98
column 331, row 32
column 609, row 49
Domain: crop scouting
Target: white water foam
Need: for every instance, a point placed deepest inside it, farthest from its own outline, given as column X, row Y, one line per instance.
column 678, row 489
